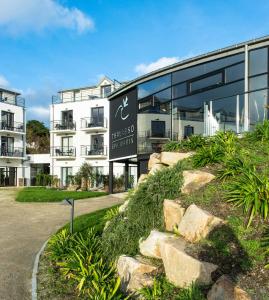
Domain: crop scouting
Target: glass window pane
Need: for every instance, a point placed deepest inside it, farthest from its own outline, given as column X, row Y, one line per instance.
column 179, row 90
column 258, row 61
column 258, row 82
column 206, row 82
column 257, row 106
column 153, row 86
column 158, row 103
column 186, row 74
column 234, row 73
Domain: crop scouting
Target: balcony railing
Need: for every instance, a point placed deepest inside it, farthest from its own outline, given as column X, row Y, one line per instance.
column 70, row 98
column 157, row 135
column 63, row 125
column 15, row 126
column 93, row 123
column 63, row 151
column 93, row 150
column 14, row 100
column 12, row 152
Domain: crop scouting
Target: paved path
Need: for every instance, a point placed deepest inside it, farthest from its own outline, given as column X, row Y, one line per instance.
column 24, row 227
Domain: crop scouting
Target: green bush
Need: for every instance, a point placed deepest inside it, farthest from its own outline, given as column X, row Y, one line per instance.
column 260, row 132
column 145, row 212
column 42, row 179
column 79, row 258
column 162, row 289
column 251, row 191
column 191, row 143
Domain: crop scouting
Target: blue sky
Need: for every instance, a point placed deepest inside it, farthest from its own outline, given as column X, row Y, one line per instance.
column 47, row 45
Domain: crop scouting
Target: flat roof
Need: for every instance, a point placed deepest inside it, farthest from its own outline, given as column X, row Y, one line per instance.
column 180, row 64
column 9, row 91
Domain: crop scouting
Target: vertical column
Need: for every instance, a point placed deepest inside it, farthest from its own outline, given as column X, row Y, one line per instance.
column 246, row 106
column 110, row 183
column 237, row 114
column 126, row 176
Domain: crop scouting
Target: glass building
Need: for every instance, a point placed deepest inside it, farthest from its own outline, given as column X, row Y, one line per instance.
column 222, row 90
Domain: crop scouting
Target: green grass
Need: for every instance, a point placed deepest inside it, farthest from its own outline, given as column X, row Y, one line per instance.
column 34, row 194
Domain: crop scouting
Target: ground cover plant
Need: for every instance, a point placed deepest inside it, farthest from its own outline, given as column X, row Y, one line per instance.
column 42, row 194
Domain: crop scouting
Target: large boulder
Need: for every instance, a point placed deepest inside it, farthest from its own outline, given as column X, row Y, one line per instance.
column 134, row 273
column 180, row 268
column 156, row 168
column 142, row 178
column 225, row 289
column 173, row 213
column 171, row 158
column 197, row 223
column 151, row 246
column 153, row 160
column 194, row 180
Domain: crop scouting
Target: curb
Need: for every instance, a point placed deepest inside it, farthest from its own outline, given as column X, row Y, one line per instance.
column 35, row 270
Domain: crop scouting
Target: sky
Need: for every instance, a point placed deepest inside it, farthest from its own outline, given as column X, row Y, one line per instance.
column 49, row 45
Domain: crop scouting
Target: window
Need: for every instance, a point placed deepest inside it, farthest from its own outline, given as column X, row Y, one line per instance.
column 179, row 90
column 234, row 73
column 258, row 82
column 157, row 103
column 97, row 141
column 153, row 86
column 7, row 145
column 7, row 120
column 105, row 90
column 97, row 116
column 158, row 129
column 258, row 61
column 66, row 173
column 207, row 82
column 67, row 142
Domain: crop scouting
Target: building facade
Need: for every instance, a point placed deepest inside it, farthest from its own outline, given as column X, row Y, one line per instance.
column 222, row 90
column 79, row 131
column 13, row 135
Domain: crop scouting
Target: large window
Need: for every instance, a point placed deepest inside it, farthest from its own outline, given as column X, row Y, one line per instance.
column 7, row 120
column 235, row 72
column 105, row 90
column 258, row 82
column 206, row 82
column 258, row 61
column 153, row 86
column 98, row 116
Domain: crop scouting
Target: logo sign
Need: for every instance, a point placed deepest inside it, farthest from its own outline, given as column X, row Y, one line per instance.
column 123, row 126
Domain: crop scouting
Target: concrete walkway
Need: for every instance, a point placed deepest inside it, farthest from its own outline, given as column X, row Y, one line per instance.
column 24, row 227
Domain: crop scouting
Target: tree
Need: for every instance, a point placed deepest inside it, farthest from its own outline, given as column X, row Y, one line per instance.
column 37, row 137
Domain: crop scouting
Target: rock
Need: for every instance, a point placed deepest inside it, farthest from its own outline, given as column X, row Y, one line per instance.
column 156, row 168
column 194, row 180
column 173, row 213
column 171, row 158
column 134, row 273
column 197, row 223
column 124, row 206
column 73, row 187
column 142, row 178
column 225, row 289
column 151, row 246
column 154, row 159
column 180, row 268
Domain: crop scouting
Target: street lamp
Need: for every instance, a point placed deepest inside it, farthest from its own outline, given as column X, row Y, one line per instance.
column 72, row 203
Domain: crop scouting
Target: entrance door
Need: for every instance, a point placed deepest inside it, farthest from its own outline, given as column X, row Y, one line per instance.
column 158, row 129
column 66, row 173
column 7, row 146
column 67, row 119
column 8, row 176
column 98, row 116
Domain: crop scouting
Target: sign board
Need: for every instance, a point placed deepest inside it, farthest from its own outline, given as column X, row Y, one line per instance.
column 123, row 125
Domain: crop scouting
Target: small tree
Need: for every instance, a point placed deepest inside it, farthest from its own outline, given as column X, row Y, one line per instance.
column 86, row 174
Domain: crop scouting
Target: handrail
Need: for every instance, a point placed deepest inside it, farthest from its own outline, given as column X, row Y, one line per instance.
column 63, row 125
column 12, row 152
column 93, row 150
column 90, row 122
column 14, row 126
column 18, row 101
column 63, row 151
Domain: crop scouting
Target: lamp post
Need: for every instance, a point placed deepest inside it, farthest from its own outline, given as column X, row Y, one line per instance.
column 70, row 202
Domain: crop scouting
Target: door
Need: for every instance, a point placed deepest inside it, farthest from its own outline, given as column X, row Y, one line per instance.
column 98, row 116
column 67, row 119
column 158, row 129
column 67, row 145
column 66, row 173
column 7, row 146
column 97, row 144
column 7, row 120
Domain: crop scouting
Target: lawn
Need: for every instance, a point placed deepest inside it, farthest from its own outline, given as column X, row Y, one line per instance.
column 40, row 194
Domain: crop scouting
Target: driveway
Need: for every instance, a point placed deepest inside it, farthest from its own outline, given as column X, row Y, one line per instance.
column 24, row 227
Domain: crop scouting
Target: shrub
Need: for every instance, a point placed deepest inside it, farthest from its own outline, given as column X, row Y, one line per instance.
column 251, row 191
column 191, row 143
column 260, row 133
column 145, row 212
column 265, row 245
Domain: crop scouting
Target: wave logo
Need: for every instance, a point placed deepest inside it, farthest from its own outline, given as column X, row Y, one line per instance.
column 121, row 109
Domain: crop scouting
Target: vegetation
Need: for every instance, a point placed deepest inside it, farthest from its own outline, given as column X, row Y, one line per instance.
column 144, row 213
column 41, row 194
column 37, row 137
column 191, row 143
column 42, row 179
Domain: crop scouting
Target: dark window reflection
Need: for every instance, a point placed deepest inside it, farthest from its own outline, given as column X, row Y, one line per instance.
column 153, row 86
column 258, row 61
column 206, row 82
column 235, row 72
column 180, row 90
column 258, row 82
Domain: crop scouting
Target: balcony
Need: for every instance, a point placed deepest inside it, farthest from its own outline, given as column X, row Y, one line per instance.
column 13, row 128
column 12, row 153
column 63, row 152
column 62, row 127
column 93, row 125
column 161, row 135
column 94, row 151
column 14, row 100
column 77, row 98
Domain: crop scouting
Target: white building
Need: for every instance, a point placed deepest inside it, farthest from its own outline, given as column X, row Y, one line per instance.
column 12, row 134
column 79, row 130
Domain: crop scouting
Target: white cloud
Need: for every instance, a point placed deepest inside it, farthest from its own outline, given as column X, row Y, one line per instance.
column 158, row 64
column 41, row 112
column 18, row 16
column 3, row 82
